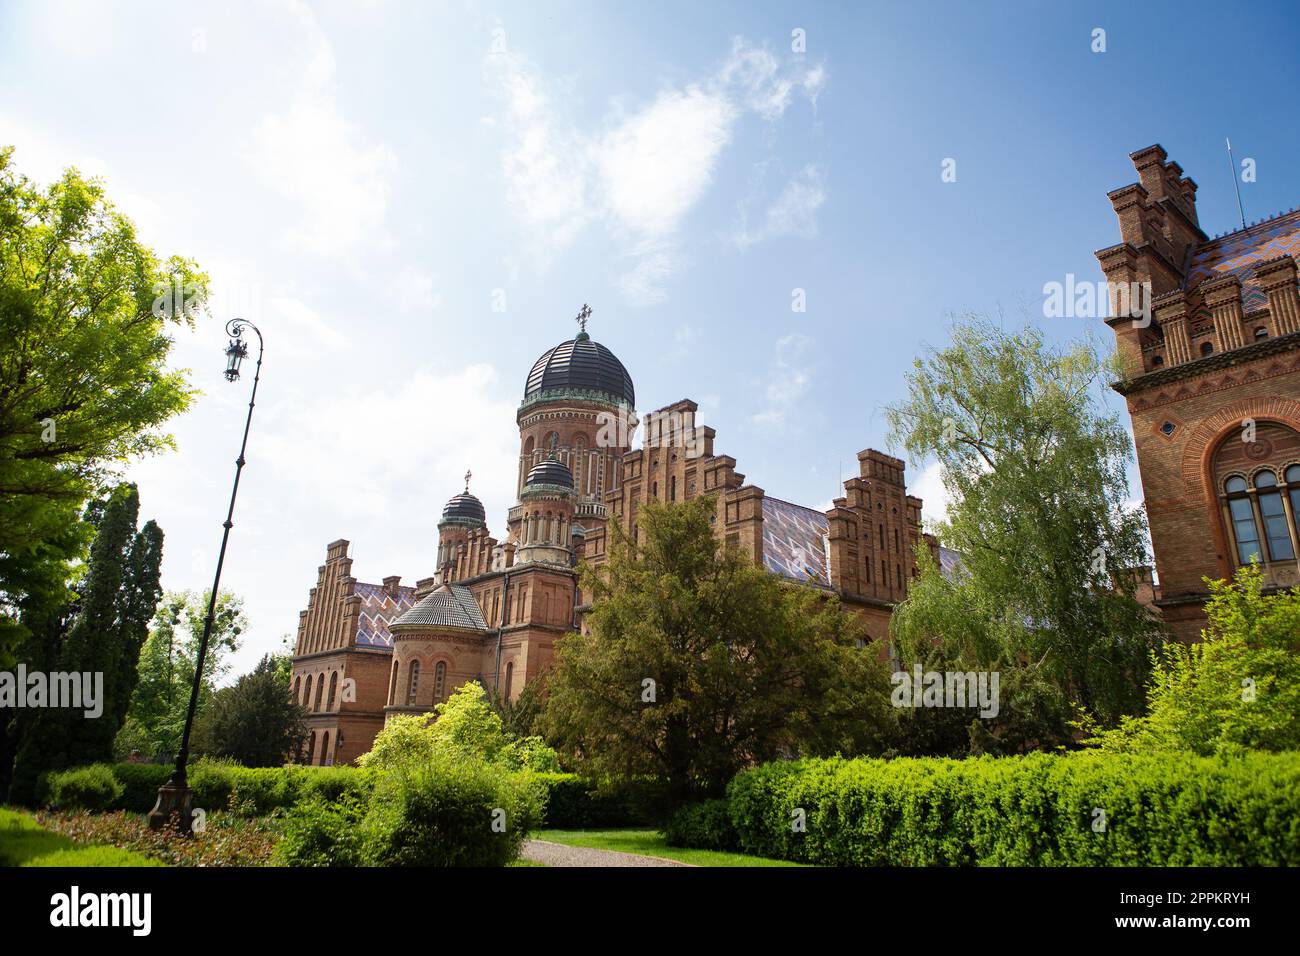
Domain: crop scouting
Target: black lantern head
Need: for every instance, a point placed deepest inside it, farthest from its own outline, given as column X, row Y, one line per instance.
column 235, row 353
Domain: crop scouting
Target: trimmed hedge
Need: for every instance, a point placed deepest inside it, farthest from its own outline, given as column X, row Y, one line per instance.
column 84, row 788
column 217, row 785
column 702, row 826
column 1035, row 810
column 578, row 803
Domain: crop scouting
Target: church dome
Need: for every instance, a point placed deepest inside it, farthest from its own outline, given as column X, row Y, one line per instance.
column 464, row 509
column 580, row 363
column 550, row 472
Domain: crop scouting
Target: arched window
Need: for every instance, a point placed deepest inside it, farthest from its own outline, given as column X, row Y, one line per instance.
column 1244, row 529
column 334, row 687
column 320, row 690
column 392, row 690
column 1261, row 332
column 439, row 680
column 1276, row 533
column 311, row 748
column 297, row 687
column 1207, row 348
column 510, row 679
column 1258, row 480
column 1293, row 482
column 413, row 683
column 326, row 758
column 672, row 488
column 306, row 697
column 1157, row 361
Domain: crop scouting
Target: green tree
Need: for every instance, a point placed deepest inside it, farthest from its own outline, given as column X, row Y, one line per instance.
column 255, row 721
column 465, row 727
column 85, row 310
column 1034, row 471
column 156, row 716
column 100, row 634
column 698, row 663
column 1236, row 690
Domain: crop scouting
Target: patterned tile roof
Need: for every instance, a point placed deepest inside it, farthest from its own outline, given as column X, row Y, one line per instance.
column 794, row 541
column 378, row 610
column 950, row 562
column 449, row 606
column 1238, row 253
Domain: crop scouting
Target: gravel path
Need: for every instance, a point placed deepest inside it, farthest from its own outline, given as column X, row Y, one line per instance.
column 557, row 854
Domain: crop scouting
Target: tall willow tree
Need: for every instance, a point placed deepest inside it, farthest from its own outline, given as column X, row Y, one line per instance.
column 1035, row 471
column 85, row 314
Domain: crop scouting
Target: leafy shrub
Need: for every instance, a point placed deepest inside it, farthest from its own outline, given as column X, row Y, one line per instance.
column 702, row 826
column 221, row 784
column 84, row 788
column 580, row 803
column 461, row 813
column 140, row 783
column 320, row 832
column 466, row 728
column 1036, row 810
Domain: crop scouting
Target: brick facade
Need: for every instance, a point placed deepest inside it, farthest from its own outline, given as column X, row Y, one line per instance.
column 1212, row 382
column 494, row 609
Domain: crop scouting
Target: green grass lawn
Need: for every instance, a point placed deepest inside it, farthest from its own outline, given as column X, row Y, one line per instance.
column 24, row 843
column 651, row 843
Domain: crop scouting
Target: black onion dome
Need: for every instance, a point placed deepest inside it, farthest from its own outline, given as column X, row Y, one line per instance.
column 464, row 508
column 550, row 472
column 580, row 363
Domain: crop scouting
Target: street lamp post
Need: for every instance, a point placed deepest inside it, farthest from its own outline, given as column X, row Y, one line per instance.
column 175, row 797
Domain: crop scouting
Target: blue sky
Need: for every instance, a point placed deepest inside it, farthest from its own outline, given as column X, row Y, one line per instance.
column 365, row 180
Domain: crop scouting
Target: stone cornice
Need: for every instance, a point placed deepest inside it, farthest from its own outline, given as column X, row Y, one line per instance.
column 1210, row 363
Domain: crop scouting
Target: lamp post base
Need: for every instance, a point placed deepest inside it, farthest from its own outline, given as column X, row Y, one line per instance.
column 175, row 802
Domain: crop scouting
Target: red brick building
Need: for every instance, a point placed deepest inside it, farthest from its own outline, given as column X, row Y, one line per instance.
column 1212, row 381
column 494, row 609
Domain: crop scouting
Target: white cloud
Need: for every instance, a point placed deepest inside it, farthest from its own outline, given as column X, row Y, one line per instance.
column 928, row 486
column 312, row 155
column 641, row 172
column 792, row 213
column 363, row 453
column 415, row 290
column 787, row 381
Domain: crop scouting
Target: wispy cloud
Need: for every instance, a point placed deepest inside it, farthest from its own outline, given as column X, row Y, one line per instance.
column 312, row 155
column 641, row 172
column 787, row 381
column 792, row 213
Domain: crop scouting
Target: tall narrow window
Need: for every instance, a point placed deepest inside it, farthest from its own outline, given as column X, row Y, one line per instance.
column 311, row 748
column 1244, row 528
column 320, row 690
column 306, row 697
column 1271, row 509
column 439, row 680
column 334, row 687
column 413, row 683
column 392, row 690
column 510, row 679
column 672, row 488
column 326, row 758
column 1293, row 480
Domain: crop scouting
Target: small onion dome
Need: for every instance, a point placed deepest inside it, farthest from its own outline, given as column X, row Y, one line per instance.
column 582, row 364
column 464, row 509
column 550, row 472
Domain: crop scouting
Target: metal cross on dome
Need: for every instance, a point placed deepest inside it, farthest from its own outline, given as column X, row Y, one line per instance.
column 583, row 316
column 468, row 475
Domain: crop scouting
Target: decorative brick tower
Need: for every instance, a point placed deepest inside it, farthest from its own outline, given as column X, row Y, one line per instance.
column 577, row 403
column 1212, row 381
